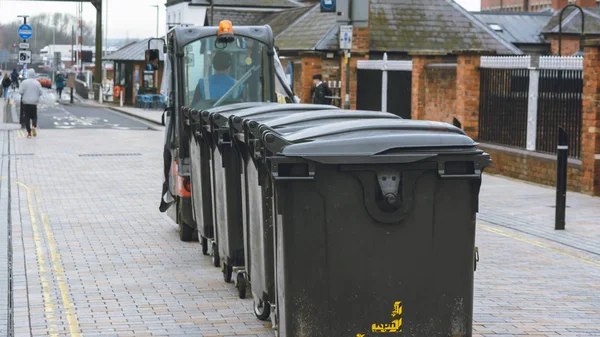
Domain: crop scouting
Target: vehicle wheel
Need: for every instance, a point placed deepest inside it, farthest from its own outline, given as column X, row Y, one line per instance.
column 186, row 233
column 215, row 258
column 262, row 310
column 241, row 285
column 204, row 243
column 227, row 271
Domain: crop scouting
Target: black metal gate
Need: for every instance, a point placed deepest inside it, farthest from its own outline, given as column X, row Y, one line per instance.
column 559, row 105
column 399, row 96
column 504, row 99
column 368, row 90
column 395, row 75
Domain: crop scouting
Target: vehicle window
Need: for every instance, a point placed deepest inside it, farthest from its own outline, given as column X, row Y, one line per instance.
column 284, row 93
column 217, row 73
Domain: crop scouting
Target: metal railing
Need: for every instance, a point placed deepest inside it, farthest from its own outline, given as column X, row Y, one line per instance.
column 503, row 106
column 559, row 105
column 524, row 106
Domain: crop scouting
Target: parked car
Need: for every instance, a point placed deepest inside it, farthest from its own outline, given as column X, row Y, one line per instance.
column 45, row 80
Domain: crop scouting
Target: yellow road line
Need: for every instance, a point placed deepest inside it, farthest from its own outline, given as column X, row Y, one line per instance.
column 540, row 244
column 60, row 274
column 60, row 277
column 48, row 305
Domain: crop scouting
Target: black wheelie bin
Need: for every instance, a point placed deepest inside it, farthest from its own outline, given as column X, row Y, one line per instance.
column 226, row 172
column 201, row 147
column 257, row 194
column 374, row 228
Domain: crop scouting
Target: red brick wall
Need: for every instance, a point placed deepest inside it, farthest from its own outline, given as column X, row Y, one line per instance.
column 418, row 84
column 440, row 94
column 308, row 65
column 534, row 167
column 467, row 96
column 311, row 65
column 590, row 133
column 570, row 44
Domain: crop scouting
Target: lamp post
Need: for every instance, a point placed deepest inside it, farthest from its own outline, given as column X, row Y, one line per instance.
column 560, row 18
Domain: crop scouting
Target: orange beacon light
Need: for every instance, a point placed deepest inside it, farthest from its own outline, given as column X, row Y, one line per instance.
column 225, row 33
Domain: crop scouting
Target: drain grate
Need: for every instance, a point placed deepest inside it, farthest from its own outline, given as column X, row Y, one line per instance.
column 110, row 154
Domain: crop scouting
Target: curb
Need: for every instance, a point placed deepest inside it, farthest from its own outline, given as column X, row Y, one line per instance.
column 133, row 115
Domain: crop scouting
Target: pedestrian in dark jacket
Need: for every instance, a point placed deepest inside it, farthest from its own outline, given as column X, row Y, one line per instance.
column 5, row 85
column 320, row 92
column 60, row 84
column 14, row 77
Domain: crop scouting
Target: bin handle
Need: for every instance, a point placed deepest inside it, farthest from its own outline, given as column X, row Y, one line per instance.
column 409, row 179
column 476, row 175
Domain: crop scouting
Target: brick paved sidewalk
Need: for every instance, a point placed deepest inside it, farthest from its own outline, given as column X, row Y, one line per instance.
column 93, row 256
column 529, row 208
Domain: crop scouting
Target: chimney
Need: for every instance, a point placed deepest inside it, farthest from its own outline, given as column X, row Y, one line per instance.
column 586, row 3
column 559, row 4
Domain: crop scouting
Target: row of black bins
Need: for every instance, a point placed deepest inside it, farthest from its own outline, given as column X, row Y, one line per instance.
column 344, row 223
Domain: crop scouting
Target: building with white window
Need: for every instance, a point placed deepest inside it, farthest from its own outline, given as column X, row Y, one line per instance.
column 239, row 12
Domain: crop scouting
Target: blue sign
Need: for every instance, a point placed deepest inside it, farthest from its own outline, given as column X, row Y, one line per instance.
column 327, row 6
column 25, row 32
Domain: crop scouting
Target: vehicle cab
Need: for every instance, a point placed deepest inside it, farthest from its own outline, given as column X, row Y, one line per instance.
column 208, row 67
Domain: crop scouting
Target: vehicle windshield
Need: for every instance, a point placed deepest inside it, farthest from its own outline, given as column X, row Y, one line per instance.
column 217, row 73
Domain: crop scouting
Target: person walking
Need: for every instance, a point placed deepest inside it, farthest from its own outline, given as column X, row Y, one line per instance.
column 321, row 93
column 31, row 92
column 5, row 86
column 14, row 77
column 60, row 85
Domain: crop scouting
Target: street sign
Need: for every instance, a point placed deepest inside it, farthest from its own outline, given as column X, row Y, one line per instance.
column 327, row 6
column 24, row 56
column 25, row 31
column 345, row 37
column 24, row 45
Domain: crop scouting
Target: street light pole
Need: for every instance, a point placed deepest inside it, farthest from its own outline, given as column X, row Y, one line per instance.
column 560, row 19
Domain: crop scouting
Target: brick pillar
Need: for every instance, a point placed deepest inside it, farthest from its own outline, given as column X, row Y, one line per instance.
column 360, row 51
column 467, row 92
column 312, row 64
column 590, row 130
column 418, row 82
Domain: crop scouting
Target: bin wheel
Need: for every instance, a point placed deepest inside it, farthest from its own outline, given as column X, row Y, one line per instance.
column 186, row 233
column 227, row 272
column 241, row 285
column 215, row 258
column 262, row 310
column 204, row 243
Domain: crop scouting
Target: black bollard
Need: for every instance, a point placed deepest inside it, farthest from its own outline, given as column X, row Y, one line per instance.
column 561, row 178
column 71, row 95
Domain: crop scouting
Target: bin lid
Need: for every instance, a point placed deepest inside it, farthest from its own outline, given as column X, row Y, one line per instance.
column 296, row 122
column 276, row 109
column 371, row 138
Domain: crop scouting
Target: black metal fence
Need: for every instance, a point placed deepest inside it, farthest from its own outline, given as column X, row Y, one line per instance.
column 559, row 105
column 503, row 106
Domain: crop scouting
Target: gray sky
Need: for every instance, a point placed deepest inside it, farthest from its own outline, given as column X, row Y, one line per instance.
column 133, row 18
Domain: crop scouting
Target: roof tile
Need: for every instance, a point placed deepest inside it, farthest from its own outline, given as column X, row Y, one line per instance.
column 441, row 25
